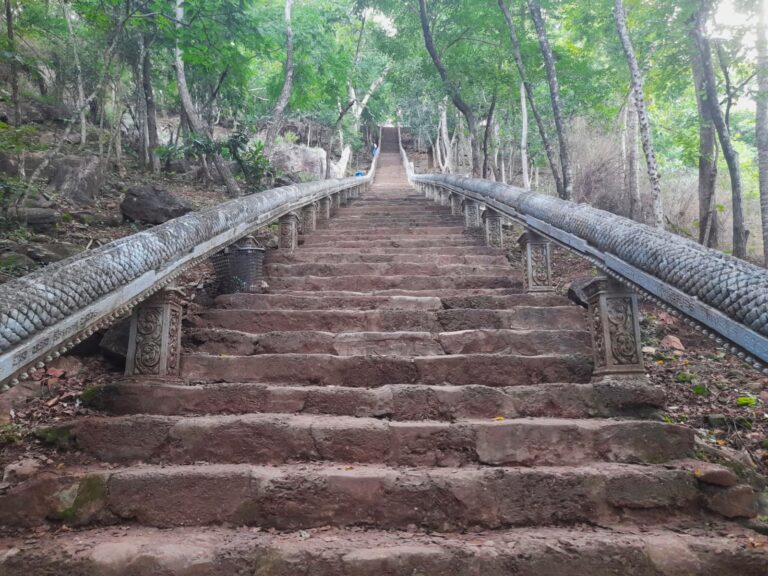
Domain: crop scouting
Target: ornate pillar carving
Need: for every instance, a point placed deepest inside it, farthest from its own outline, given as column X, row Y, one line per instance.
column 472, row 215
column 455, row 200
column 538, row 265
column 494, row 231
column 154, row 341
column 289, row 232
column 614, row 321
column 309, row 218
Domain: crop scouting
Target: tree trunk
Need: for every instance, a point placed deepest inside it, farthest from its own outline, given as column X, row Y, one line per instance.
column 548, row 150
column 762, row 118
column 81, row 102
column 451, row 89
column 708, row 228
column 554, row 92
column 524, row 139
column 447, row 141
column 487, row 136
column 633, row 165
column 740, row 233
column 14, row 66
column 153, row 140
column 642, row 114
column 194, row 120
column 285, row 93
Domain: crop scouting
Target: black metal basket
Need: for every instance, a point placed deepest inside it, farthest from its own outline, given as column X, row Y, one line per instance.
column 239, row 267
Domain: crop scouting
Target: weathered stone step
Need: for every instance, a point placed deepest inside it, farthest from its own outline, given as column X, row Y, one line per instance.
column 395, row 230
column 364, row 302
column 429, row 251
column 369, row 371
column 394, row 242
column 310, row 495
column 382, row 223
column 436, row 293
column 398, row 402
column 518, row 318
column 281, row 438
column 385, row 269
column 331, row 257
column 410, row 282
column 522, row 342
column 141, row 551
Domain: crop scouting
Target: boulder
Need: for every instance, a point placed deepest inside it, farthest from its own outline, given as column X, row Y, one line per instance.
column 21, row 470
column 48, row 252
column 77, row 178
column 114, row 343
column 299, row 159
column 152, row 205
column 16, row 261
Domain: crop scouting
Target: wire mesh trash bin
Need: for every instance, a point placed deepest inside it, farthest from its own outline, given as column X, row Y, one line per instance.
column 239, row 267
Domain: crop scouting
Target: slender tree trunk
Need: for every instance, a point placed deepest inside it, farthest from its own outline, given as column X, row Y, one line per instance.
column 642, row 114
column 194, row 120
column 285, row 93
column 633, row 164
column 740, row 233
column 524, row 139
column 548, row 150
column 451, row 89
column 14, row 66
column 153, row 140
column 708, row 225
column 447, row 142
column 81, row 102
column 487, row 136
column 762, row 117
column 141, row 107
column 554, row 92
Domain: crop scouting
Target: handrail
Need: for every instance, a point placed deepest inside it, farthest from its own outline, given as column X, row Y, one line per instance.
column 47, row 312
column 724, row 297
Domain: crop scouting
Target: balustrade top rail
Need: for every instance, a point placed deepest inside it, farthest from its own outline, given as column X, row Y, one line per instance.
column 725, row 296
column 50, row 310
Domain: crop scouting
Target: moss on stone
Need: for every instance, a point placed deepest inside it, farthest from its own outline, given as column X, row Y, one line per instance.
column 90, row 494
column 58, row 436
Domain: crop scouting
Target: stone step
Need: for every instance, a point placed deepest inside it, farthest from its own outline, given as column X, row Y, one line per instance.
column 383, row 223
column 436, row 293
column 364, row 302
column 518, row 318
column 141, row 551
column 409, row 282
column 629, row 398
column 384, row 269
column 299, row 256
column 302, row 496
column 280, row 439
column 394, row 242
column 370, row 371
column 394, row 230
column 426, row 251
column 522, row 342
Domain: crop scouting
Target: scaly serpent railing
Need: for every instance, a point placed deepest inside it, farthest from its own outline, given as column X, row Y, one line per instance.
column 47, row 312
column 722, row 296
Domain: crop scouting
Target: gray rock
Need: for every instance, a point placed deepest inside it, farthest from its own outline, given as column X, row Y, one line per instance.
column 21, row 470
column 114, row 343
column 16, row 260
column 78, row 179
column 576, row 292
column 299, row 159
column 152, row 205
column 47, row 252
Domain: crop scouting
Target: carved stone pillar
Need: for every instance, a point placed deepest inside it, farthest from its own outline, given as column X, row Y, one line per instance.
column 472, row 215
column 154, row 341
column 324, row 213
column 344, row 198
column 538, row 266
column 289, row 232
column 335, row 202
column 455, row 205
column 494, row 231
column 614, row 322
column 308, row 218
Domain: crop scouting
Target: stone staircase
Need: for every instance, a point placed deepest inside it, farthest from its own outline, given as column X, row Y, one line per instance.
column 395, row 405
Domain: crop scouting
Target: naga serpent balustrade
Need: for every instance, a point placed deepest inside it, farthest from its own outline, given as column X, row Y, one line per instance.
column 723, row 296
column 47, row 312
